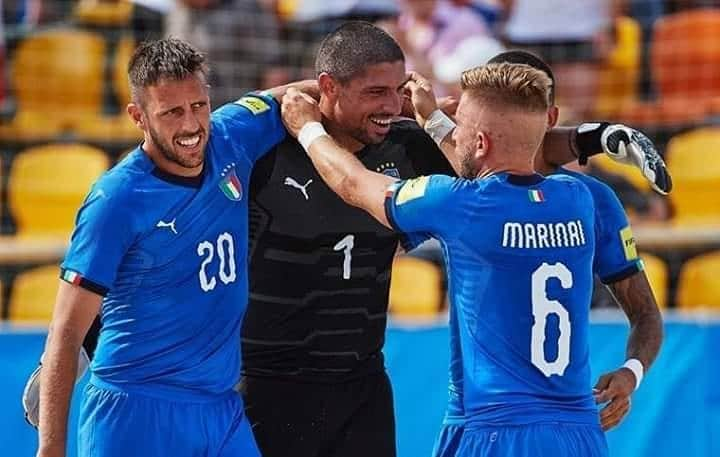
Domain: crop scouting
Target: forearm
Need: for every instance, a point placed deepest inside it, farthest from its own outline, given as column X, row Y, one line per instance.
column 349, row 178
column 309, row 86
column 646, row 327
column 556, row 148
column 56, row 386
column 447, row 146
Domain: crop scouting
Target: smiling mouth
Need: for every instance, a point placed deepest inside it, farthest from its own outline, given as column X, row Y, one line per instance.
column 189, row 142
column 381, row 121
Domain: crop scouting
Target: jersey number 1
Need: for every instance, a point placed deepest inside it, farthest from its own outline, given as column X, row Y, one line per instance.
column 542, row 307
column 226, row 254
column 346, row 245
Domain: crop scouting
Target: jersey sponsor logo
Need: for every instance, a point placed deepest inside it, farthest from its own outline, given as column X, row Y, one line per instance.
column 170, row 225
column 296, row 185
column 412, row 189
column 388, row 169
column 628, row 242
column 230, row 184
column 254, row 104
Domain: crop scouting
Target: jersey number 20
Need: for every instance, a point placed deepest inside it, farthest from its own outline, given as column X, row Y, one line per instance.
column 542, row 307
column 226, row 254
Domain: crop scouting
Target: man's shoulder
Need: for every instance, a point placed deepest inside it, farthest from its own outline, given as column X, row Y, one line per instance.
column 596, row 186
column 407, row 130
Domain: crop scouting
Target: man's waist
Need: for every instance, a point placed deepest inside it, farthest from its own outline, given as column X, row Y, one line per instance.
column 315, row 369
column 164, row 390
column 522, row 412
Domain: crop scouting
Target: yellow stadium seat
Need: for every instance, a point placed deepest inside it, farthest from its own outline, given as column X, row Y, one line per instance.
column 58, row 79
column 415, row 290
column 47, row 185
column 698, row 284
column 694, row 163
column 619, row 75
column 121, row 85
column 117, row 128
column 657, row 274
column 33, row 294
column 103, row 13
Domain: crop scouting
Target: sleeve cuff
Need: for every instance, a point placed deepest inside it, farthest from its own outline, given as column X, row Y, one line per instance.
column 622, row 274
column 75, row 278
column 389, row 202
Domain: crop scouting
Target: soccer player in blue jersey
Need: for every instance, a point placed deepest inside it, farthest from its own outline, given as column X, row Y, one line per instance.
column 159, row 248
column 616, row 264
column 519, row 249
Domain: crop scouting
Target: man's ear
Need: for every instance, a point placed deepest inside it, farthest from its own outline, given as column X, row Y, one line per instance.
column 136, row 115
column 482, row 144
column 329, row 87
column 553, row 115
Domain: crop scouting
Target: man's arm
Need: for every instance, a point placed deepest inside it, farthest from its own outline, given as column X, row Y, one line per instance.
column 561, row 145
column 339, row 168
column 309, row 86
column 75, row 309
column 646, row 328
column 646, row 334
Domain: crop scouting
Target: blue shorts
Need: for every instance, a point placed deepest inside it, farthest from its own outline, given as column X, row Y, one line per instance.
column 121, row 424
column 448, row 440
column 534, row 440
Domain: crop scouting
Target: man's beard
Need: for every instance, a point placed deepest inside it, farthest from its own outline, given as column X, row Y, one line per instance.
column 468, row 169
column 169, row 153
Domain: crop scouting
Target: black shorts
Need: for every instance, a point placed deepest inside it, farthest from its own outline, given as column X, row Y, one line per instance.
column 298, row 419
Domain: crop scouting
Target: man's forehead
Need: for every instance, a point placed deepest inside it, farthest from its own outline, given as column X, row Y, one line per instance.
column 382, row 74
column 171, row 90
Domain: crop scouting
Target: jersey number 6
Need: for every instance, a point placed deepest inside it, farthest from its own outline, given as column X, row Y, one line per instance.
column 226, row 254
column 542, row 307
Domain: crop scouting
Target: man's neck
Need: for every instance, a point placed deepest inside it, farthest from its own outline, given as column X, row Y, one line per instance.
column 168, row 166
column 522, row 169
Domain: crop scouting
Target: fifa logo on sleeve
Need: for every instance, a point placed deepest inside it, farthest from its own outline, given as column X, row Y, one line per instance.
column 628, row 243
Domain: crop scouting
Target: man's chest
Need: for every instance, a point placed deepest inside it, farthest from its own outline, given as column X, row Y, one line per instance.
column 287, row 188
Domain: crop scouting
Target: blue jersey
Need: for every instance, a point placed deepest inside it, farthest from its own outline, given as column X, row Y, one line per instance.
column 519, row 253
column 615, row 259
column 169, row 255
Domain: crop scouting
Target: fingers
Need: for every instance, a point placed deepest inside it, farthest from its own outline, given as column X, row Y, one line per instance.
column 603, row 382
column 614, row 413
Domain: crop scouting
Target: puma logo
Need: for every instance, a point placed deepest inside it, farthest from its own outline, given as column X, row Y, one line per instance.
column 292, row 183
column 170, row 225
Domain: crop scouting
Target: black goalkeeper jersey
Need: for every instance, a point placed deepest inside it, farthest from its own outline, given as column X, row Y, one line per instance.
column 320, row 269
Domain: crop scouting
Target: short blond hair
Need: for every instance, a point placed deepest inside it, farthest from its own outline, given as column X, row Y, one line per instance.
column 509, row 84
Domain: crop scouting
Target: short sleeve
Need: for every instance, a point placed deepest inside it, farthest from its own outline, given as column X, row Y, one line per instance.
column 253, row 124
column 616, row 255
column 421, row 204
column 102, row 236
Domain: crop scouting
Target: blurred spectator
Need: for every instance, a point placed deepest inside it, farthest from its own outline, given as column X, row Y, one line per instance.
column 240, row 38
column 674, row 6
column 430, row 30
column 148, row 18
column 469, row 53
column 489, row 10
column 3, row 73
column 573, row 36
column 316, row 10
